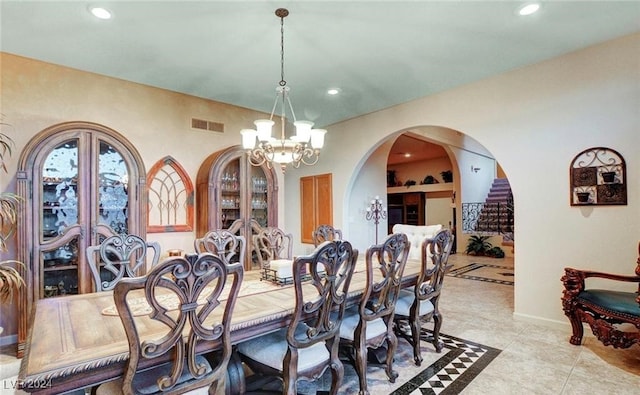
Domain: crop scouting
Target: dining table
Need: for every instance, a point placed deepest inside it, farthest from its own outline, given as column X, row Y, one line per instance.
column 78, row 341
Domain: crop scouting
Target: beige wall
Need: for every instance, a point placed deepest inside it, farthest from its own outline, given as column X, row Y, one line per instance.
column 533, row 120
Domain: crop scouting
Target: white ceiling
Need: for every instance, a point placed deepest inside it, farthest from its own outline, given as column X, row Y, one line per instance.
column 378, row 53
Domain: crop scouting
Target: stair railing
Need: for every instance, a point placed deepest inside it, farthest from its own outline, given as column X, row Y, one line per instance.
column 489, row 218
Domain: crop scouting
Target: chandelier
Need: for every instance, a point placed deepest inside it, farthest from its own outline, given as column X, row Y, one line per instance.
column 304, row 147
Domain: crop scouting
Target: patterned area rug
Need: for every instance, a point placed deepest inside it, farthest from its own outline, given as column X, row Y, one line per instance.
column 444, row 373
column 485, row 272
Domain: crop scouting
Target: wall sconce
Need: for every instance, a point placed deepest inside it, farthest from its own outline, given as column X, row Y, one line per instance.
column 375, row 212
column 474, row 169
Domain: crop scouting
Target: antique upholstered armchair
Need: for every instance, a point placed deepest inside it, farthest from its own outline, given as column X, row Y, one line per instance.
column 369, row 325
column 603, row 309
column 120, row 256
column 223, row 243
column 324, row 233
column 420, row 303
column 309, row 345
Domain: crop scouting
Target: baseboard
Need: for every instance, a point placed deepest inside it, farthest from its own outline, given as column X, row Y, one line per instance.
column 541, row 321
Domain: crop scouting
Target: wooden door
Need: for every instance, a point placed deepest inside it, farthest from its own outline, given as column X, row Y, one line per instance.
column 316, row 204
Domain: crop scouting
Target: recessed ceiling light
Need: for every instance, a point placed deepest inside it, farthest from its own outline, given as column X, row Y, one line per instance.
column 407, row 155
column 529, row 9
column 333, row 91
column 100, row 12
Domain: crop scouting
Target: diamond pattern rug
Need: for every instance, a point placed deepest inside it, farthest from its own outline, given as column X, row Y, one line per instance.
column 485, row 272
column 443, row 373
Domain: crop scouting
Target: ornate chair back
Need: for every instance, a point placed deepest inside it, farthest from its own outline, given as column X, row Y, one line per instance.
column 325, row 232
column 371, row 325
column 331, row 267
column 223, row 243
column 197, row 286
column 421, row 303
column 389, row 259
column 310, row 344
column 435, row 263
column 272, row 243
column 120, row 256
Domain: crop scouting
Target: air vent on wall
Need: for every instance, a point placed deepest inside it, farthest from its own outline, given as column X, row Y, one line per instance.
column 211, row 126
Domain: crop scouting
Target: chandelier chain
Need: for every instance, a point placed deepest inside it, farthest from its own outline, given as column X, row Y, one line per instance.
column 282, row 81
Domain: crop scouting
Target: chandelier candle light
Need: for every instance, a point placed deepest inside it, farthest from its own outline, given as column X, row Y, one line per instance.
column 304, row 147
column 376, row 211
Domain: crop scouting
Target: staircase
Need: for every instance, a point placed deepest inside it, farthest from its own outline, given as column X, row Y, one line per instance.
column 495, row 215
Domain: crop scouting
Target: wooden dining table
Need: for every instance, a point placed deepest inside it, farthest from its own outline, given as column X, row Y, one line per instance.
column 74, row 344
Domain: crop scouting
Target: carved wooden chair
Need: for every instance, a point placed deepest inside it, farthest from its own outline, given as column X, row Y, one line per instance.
column 120, row 256
column 370, row 324
column 325, row 232
column 603, row 309
column 420, row 303
column 223, row 243
column 310, row 344
column 274, row 251
column 200, row 310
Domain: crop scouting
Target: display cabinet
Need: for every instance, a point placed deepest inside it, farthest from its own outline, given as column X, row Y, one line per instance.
column 80, row 183
column 405, row 208
column 230, row 191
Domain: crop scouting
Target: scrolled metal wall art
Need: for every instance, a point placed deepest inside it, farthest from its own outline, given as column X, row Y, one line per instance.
column 598, row 177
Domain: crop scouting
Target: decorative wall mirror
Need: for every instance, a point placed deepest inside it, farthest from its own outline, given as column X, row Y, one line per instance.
column 598, row 177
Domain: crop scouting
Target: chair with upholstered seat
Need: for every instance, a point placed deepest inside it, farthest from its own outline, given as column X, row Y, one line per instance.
column 325, row 232
column 604, row 308
column 420, row 303
column 310, row 344
column 120, row 256
column 370, row 324
column 223, row 243
column 274, row 251
column 191, row 300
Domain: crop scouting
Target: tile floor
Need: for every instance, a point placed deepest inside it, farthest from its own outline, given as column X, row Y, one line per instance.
column 532, row 359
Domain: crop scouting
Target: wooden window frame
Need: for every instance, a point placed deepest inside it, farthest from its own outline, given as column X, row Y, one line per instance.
column 171, row 163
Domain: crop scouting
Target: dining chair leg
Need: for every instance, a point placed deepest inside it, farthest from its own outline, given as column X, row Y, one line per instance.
column 361, row 364
column 437, row 323
column 235, row 376
column 415, row 336
column 392, row 345
column 337, row 374
column 290, row 378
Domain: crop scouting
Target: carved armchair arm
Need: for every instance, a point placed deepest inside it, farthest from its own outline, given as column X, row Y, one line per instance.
column 574, row 280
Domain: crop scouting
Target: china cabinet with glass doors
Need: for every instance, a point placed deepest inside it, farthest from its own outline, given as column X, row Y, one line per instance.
column 81, row 182
column 230, row 191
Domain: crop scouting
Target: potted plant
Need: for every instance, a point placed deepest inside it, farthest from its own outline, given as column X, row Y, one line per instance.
column 10, row 279
column 447, row 176
column 495, row 252
column 478, row 245
column 429, row 180
column 409, row 183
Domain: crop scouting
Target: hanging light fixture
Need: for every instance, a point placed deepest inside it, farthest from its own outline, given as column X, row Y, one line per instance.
column 303, row 148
